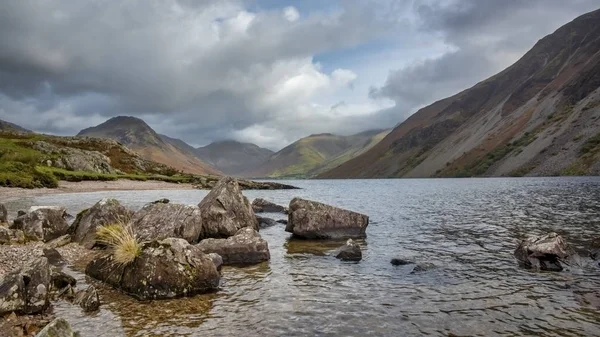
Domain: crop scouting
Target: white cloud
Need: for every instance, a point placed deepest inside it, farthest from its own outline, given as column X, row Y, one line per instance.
column 291, row 14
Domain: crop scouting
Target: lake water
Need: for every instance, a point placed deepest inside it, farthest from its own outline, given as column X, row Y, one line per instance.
column 467, row 227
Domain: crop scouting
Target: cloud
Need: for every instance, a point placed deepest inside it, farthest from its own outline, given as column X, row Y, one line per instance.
column 291, row 14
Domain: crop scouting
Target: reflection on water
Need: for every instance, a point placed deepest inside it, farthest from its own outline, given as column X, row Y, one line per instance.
column 467, row 227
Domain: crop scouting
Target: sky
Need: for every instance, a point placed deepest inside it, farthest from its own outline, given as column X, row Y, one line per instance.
column 265, row 72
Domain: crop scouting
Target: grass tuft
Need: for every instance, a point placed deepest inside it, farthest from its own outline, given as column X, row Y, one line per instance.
column 119, row 237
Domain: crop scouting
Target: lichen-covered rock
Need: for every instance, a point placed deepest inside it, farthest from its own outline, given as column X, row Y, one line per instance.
column 167, row 268
column 349, row 252
column 314, row 220
column 216, row 259
column 88, row 299
column 245, row 247
column 74, row 159
column 548, row 252
column 104, row 212
column 26, row 291
column 43, row 223
column 58, row 242
column 260, row 205
column 57, row 328
column 225, row 211
column 157, row 221
column 3, row 213
column 265, row 222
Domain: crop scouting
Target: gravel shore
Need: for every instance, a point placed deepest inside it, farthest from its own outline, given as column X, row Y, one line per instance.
column 15, row 257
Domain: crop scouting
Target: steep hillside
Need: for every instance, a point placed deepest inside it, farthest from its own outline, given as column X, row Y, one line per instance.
column 140, row 137
column 8, row 126
column 233, row 157
column 540, row 116
column 314, row 154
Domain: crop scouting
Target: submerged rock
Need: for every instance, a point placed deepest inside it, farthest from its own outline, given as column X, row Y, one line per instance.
column 88, row 299
column 245, row 247
column 260, row 205
column 549, row 252
column 265, row 222
column 282, row 221
column 401, row 262
column 423, row 266
column 43, row 223
column 158, row 221
column 59, row 280
column 225, row 211
column 58, row 328
column 26, row 291
column 104, row 212
column 314, row 220
column 162, row 201
column 164, row 269
column 349, row 252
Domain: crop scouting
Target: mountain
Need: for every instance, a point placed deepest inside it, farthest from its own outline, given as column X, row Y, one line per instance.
column 140, row 137
column 538, row 117
column 7, row 126
column 316, row 153
column 180, row 144
column 233, row 157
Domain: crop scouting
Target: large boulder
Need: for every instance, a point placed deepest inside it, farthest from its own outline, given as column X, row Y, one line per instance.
column 349, row 252
column 314, row 220
column 245, row 247
column 157, row 221
column 58, row 328
column 26, row 291
column 168, row 268
column 3, row 213
column 104, row 212
column 260, row 205
column 548, row 252
column 225, row 211
column 43, row 223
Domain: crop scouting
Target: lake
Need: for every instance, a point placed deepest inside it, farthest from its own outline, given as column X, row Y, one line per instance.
column 468, row 228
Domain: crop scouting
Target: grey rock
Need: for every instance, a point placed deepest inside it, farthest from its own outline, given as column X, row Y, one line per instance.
column 5, row 235
column 58, row 242
column 73, row 159
column 88, row 299
column 158, row 221
column 423, row 266
column 59, row 280
column 401, row 262
column 216, row 259
column 26, row 291
column 43, row 223
column 3, row 213
column 57, row 328
column 314, row 220
column 349, row 252
column 54, row 257
column 21, row 212
column 265, row 222
column 225, row 211
column 260, row 205
column 162, row 201
column 168, row 268
column 282, row 221
column 104, row 212
column 549, row 252
column 245, row 247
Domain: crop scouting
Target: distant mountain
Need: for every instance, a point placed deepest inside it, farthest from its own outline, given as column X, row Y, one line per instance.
column 233, row 157
column 538, row 117
column 7, row 126
column 316, row 153
column 180, row 144
column 140, row 137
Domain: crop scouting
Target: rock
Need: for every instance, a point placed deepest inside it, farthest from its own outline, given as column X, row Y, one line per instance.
column 18, row 236
column 314, row 220
column 59, row 280
column 21, row 212
column 349, row 252
column 57, row 328
column 400, row 262
column 5, row 235
column 158, row 221
column 104, row 212
column 260, row 205
column 59, row 241
column 88, row 299
column 225, row 211
column 3, row 213
column 26, row 291
column 423, row 266
column 282, row 221
column 245, row 247
column 265, row 222
column 595, row 250
column 216, row 259
column 162, row 201
column 74, row 159
column 168, row 268
column 549, row 252
column 54, row 257
column 43, row 223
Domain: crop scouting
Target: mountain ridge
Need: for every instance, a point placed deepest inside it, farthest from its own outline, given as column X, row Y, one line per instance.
column 233, row 157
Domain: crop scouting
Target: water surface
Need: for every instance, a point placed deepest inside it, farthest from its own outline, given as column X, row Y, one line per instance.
column 467, row 227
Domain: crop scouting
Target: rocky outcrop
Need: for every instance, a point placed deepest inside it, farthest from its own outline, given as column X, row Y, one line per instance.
column 3, row 213
column 74, row 159
column 88, row 299
column 225, row 211
column 26, row 291
column 349, row 252
column 43, row 223
column 158, row 221
column 260, row 205
column 265, row 222
column 314, row 220
column 168, row 268
column 104, row 212
column 549, row 252
column 245, row 247
column 58, row 328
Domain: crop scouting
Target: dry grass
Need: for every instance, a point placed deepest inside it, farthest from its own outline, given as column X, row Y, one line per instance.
column 119, row 237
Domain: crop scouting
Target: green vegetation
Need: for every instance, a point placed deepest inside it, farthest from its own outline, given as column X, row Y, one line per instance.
column 589, row 153
column 19, row 166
